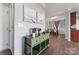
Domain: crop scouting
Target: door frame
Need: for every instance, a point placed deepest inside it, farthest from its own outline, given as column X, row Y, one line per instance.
column 11, row 27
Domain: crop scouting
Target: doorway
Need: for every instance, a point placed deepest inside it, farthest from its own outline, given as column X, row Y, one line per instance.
column 8, row 26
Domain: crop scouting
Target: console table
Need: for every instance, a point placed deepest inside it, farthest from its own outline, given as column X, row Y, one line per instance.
column 34, row 46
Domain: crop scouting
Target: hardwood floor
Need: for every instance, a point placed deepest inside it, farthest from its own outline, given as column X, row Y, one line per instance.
column 6, row 52
column 60, row 46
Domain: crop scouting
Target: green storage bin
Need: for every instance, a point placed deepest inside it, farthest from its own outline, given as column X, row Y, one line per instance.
column 47, row 42
column 42, row 45
column 36, row 50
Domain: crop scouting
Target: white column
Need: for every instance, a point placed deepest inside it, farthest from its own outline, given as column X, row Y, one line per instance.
column 67, row 24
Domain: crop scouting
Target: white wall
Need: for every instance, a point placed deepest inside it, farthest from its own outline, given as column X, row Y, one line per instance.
column 77, row 22
column 62, row 28
column 51, row 24
column 0, row 27
column 22, row 28
column 46, row 24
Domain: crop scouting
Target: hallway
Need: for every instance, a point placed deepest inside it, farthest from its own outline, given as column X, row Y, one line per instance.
column 59, row 46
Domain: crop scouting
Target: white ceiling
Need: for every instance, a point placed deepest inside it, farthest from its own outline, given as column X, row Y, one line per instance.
column 55, row 9
column 43, row 5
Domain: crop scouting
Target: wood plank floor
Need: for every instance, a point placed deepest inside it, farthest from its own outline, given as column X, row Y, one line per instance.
column 60, row 46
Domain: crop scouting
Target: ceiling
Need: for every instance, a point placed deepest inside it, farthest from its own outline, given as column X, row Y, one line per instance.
column 43, row 5
column 6, row 4
column 55, row 9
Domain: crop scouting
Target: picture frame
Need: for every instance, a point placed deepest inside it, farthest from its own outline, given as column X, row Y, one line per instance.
column 29, row 14
column 40, row 18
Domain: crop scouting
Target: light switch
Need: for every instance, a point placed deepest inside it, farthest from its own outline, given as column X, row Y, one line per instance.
column 20, row 25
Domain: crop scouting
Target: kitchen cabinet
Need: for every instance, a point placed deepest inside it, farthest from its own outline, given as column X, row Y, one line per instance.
column 75, row 35
column 74, row 30
column 73, row 18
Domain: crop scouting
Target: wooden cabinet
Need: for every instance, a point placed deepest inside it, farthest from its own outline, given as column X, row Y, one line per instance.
column 75, row 35
column 74, row 32
column 73, row 18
